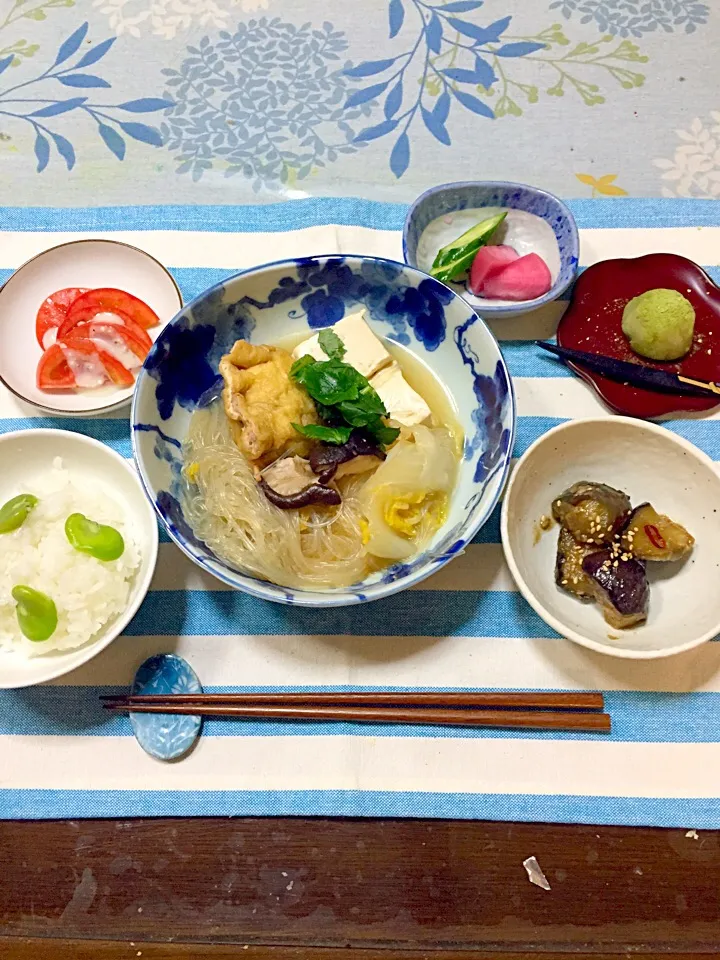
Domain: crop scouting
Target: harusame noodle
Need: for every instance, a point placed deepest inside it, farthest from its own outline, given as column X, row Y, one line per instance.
column 316, row 547
column 304, row 475
column 313, row 547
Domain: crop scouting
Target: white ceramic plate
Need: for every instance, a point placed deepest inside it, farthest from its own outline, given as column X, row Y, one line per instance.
column 28, row 452
column 650, row 463
column 82, row 263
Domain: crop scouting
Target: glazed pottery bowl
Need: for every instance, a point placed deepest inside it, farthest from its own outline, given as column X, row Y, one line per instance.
column 555, row 238
column 26, row 453
column 80, row 263
column 290, row 298
column 650, row 464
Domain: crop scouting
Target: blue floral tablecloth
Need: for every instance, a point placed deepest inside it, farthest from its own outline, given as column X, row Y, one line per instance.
column 230, row 101
column 218, row 134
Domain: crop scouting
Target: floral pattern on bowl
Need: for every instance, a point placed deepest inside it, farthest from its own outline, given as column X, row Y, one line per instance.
column 279, row 300
column 450, row 198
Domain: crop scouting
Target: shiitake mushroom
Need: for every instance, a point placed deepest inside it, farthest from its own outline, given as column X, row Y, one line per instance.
column 650, row 535
column 591, row 512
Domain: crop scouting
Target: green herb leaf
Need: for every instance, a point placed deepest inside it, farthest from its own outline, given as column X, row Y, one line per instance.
column 455, row 259
column 381, row 433
column 337, row 435
column 297, row 368
column 331, row 344
column 342, row 395
column 330, row 381
column 367, row 408
column 329, row 415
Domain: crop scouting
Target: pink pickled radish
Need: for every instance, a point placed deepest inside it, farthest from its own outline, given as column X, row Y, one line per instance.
column 488, row 261
column 524, row 279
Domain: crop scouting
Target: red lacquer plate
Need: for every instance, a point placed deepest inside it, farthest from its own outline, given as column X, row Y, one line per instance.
column 593, row 322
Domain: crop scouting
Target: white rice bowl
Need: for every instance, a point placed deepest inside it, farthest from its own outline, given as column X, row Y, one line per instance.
column 88, row 593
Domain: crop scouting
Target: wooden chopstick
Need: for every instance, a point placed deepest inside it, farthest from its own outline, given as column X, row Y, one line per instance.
column 523, row 719
column 492, row 699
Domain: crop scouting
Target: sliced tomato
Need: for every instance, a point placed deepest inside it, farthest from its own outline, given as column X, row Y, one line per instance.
column 134, row 329
column 70, row 324
column 53, row 372
column 53, row 311
column 78, row 362
column 116, row 339
column 118, row 372
column 109, row 300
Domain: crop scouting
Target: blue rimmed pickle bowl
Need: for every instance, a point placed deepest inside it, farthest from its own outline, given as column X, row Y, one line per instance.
column 272, row 303
column 537, row 222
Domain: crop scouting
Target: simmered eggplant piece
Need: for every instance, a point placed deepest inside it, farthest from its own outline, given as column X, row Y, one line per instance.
column 619, row 586
column 592, row 512
column 650, row 535
column 569, row 573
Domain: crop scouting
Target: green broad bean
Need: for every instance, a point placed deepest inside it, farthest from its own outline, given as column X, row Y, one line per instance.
column 96, row 539
column 36, row 613
column 14, row 513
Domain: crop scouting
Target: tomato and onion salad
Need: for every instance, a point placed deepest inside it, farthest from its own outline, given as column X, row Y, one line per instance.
column 53, row 312
column 92, row 337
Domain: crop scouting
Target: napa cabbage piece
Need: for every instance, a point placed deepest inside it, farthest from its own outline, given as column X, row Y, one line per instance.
column 406, row 500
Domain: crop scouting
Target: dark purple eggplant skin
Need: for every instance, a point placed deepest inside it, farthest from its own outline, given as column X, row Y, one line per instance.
column 622, row 590
column 315, row 493
column 586, row 503
column 325, row 458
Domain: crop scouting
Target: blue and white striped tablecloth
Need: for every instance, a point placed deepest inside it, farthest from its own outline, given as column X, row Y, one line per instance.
column 468, row 627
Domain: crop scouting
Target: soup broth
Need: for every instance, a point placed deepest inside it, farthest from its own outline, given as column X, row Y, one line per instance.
column 386, row 513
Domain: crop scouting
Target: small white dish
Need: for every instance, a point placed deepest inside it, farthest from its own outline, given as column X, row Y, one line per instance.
column 651, row 464
column 80, row 263
column 28, row 452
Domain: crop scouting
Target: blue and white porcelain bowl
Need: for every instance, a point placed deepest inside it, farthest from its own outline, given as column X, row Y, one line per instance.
column 556, row 240
column 279, row 300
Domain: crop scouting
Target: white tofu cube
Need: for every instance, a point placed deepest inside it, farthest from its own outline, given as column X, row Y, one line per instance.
column 401, row 401
column 365, row 351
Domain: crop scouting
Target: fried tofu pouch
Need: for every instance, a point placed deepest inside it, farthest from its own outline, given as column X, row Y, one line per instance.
column 262, row 402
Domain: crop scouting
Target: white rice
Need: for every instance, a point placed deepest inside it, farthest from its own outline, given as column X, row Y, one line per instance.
column 88, row 593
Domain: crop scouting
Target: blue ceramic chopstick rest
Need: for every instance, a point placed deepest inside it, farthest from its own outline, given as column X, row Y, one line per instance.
column 162, row 735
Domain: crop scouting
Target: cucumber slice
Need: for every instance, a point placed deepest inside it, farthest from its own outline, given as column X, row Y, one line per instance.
column 456, row 258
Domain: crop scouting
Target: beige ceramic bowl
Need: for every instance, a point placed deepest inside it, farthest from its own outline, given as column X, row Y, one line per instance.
column 650, row 463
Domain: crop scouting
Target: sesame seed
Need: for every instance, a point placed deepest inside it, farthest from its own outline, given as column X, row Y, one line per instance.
column 564, row 581
column 616, row 563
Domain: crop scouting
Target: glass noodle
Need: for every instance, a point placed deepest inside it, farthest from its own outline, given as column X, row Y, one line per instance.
column 314, row 547
column 323, row 547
